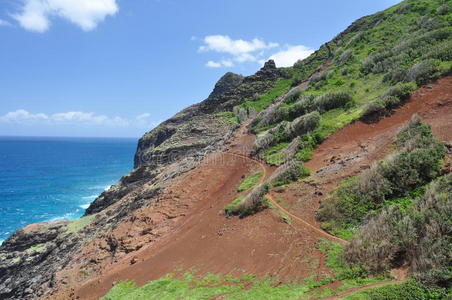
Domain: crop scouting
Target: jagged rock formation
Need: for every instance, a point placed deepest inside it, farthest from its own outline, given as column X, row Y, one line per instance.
column 30, row 258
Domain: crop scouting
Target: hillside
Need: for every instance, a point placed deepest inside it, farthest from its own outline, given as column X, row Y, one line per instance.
column 328, row 179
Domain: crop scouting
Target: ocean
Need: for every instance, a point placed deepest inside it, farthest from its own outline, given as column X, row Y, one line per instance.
column 44, row 179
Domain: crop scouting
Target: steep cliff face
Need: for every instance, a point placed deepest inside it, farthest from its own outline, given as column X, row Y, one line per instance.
column 30, row 258
column 190, row 134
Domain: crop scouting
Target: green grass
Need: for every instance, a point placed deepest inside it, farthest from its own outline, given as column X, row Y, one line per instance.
column 273, row 155
column 37, row 248
column 77, row 225
column 190, row 286
column 400, row 291
column 229, row 117
column 250, row 182
column 234, row 206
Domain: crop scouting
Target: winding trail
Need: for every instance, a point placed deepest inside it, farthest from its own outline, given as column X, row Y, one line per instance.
column 277, row 205
column 399, row 274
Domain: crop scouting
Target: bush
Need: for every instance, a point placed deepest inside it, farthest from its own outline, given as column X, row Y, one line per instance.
column 254, row 201
column 444, row 9
column 292, row 96
column 346, row 56
column 419, row 237
column 288, row 172
column 417, row 162
column 441, row 51
column 330, row 101
column 424, row 72
column 302, row 125
column 401, row 91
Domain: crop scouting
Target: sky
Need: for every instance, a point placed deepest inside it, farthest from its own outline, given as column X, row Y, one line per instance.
column 117, row 68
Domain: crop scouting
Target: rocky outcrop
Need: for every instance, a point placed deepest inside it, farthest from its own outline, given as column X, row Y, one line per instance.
column 31, row 258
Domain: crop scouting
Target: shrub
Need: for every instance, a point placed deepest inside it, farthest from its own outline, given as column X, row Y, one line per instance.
column 254, row 201
column 424, row 72
column 292, row 149
column 417, row 162
column 395, row 75
column 292, row 96
column 330, row 101
column 441, row 51
column 401, row 91
column 302, row 125
column 346, row 56
column 419, row 237
column 288, row 172
column 271, row 137
column 444, row 9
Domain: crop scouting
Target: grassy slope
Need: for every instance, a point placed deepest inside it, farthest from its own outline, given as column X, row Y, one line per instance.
column 373, row 34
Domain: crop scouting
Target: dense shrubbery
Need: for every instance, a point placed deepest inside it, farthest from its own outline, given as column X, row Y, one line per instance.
column 420, row 236
column 286, row 131
column 417, row 162
column 290, row 171
column 295, row 105
column 424, row 72
column 392, row 98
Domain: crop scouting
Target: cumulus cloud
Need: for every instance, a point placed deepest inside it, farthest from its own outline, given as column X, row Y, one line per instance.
column 239, row 51
column 256, row 50
column 35, row 15
column 22, row 116
column 289, row 56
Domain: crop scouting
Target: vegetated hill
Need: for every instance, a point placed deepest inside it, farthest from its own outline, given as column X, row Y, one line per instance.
column 365, row 73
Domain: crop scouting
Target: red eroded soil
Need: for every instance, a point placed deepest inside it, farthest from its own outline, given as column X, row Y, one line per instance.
column 200, row 236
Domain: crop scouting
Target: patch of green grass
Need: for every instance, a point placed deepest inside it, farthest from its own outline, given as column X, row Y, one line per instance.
column 211, row 286
column 273, row 155
column 229, row 117
column 250, row 182
column 77, row 225
column 234, row 206
column 37, row 248
column 400, row 291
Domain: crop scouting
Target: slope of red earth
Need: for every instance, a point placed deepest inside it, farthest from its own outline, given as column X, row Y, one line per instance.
column 194, row 233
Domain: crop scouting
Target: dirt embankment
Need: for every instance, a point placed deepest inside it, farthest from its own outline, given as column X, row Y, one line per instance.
column 200, row 236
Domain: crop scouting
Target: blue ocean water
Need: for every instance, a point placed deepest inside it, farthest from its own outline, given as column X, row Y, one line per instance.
column 43, row 179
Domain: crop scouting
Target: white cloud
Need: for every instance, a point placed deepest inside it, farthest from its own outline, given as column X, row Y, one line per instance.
column 219, row 64
column 289, row 56
column 4, row 23
column 36, row 14
column 240, row 51
column 22, row 116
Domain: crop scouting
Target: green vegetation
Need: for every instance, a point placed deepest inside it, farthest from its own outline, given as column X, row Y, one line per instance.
column 416, row 163
column 419, row 236
column 366, row 71
column 77, row 225
column 36, row 249
column 250, row 182
column 400, row 291
column 229, row 117
column 233, row 208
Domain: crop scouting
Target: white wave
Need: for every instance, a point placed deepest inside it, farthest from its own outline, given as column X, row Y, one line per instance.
column 91, row 197
column 1, row 242
column 84, row 206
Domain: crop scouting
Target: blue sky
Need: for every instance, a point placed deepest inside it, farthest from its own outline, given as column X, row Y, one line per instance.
column 118, row 68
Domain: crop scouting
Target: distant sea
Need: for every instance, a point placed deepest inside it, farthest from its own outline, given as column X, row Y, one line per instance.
column 44, row 179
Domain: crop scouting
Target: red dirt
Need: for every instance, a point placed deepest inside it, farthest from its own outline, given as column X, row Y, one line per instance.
column 198, row 234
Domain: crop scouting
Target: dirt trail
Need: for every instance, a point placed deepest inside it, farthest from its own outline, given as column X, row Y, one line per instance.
column 264, row 167
column 189, row 228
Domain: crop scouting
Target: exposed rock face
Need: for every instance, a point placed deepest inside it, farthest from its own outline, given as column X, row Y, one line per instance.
column 30, row 258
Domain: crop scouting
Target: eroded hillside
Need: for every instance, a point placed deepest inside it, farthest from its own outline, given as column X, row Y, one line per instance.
column 244, row 184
